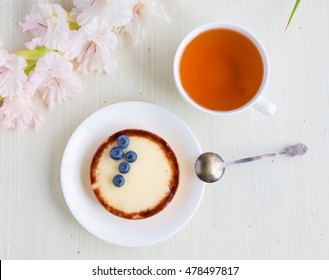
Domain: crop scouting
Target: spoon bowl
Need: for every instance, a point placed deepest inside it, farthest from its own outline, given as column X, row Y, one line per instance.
column 209, row 167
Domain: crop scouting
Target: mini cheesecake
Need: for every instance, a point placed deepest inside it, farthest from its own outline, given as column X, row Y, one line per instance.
column 151, row 182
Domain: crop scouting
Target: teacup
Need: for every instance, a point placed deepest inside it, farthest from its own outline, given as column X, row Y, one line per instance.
column 223, row 69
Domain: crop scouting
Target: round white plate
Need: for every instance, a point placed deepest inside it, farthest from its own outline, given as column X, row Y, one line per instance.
column 76, row 184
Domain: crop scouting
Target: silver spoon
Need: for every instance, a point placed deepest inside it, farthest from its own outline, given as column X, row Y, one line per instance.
column 210, row 167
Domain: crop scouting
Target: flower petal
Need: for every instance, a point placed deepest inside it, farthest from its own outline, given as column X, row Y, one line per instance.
column 12, row 76
column 115, row 12
column 148, row 15
column 55, row 80
column 49, row 25
column 20, row 113
column 92, row 48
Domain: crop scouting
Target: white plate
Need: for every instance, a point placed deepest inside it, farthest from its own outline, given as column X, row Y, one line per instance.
column 75, row 174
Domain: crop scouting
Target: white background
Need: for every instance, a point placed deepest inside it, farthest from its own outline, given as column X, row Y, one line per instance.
column 263, row 210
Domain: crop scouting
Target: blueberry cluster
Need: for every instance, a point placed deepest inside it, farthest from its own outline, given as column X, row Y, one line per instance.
column 117, row 153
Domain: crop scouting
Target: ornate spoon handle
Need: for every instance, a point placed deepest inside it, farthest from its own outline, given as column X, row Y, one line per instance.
column 298, row 149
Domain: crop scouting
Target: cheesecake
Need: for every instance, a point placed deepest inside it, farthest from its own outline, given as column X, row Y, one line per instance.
column 151, row 182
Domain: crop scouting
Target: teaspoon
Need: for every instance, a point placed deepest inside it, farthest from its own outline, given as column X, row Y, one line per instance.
column 210, row 167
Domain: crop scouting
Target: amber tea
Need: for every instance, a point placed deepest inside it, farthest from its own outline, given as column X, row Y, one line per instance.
column 221, row 69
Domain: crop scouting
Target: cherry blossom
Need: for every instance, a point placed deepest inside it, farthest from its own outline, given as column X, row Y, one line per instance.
column 63, row 44
column 48, row 24
column 91, row 47
column 54, row 80
column 12, row 76
column 20, row 113
column 115, row 12
column 148, row 15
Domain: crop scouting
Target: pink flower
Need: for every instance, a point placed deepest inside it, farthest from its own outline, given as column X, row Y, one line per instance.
column 115, row 12
column 148, row 15
column 49, row 25
column 12, row 76
column 91, row 45
column 20, row 113
column 55, row 80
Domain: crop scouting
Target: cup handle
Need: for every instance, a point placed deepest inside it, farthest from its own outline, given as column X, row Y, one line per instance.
column 265, row 106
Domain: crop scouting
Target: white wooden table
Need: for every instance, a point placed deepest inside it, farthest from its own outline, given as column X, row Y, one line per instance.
column 263, row 210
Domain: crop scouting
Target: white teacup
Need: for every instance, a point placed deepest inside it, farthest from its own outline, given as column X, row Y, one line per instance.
column 258, row 101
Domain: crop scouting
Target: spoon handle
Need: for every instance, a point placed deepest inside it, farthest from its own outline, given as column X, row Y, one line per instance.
column 243, row 160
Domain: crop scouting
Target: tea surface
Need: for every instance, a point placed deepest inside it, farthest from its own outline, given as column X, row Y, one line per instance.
column 221, row 69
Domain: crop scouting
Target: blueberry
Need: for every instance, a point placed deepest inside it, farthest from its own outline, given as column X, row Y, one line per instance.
column 118, row 181
column 131, row 156
column 123, row 141
column 124, row 167
column 116, row 153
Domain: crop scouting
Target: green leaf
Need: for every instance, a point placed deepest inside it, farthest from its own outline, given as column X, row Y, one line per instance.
column 74, row 25
column 293, row 12
column 30, row 66
column 35, row 54
column 72, row 22
column 1, row 100
column 32, row 57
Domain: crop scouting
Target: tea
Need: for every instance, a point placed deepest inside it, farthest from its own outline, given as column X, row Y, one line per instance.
column 221, row 69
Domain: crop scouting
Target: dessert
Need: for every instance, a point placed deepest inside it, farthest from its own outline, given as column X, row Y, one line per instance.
column 134, row 174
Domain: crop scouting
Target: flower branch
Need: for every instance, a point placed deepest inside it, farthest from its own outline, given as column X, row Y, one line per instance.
column 64, row 43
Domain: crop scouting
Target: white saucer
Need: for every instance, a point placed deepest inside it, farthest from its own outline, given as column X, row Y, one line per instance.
column 76, row 184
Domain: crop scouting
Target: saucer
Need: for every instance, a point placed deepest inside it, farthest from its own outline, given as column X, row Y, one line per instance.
column 77, row 189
